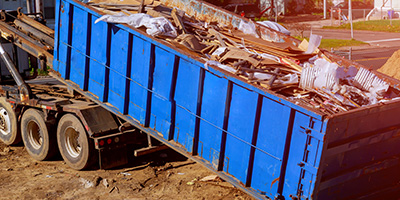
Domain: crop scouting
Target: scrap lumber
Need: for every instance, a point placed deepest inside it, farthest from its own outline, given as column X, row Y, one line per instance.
column 177, row 16
column 278, row 67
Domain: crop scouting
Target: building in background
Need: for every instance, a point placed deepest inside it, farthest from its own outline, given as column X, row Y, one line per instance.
column 387, row 4
column 14, row 4
column 384, row 9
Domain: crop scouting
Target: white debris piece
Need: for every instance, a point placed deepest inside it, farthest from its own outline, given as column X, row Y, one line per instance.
column 248, row 28
column 275, row 26
column 315, row 41
column 327, row 76
column 158, row 26
column 219, row 51
column 368, row 81
column 324, row 74
column 219, row 65
column 209, row 178
column 86, row 183
column 105, row 183
column 262, row 76
column 288, row 79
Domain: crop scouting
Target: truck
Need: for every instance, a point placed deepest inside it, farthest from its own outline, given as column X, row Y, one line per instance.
column 113, row 85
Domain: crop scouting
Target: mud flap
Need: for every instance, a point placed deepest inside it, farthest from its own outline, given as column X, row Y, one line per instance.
column 109, row 158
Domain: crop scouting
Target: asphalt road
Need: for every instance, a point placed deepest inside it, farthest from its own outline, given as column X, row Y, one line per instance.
column 378, row 39
column 381, row 45
column 373, row 58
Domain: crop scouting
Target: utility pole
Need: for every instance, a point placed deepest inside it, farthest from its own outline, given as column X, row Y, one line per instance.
column 272, row 6
column 324, row 9
column 39, row 7
column 29, row 7
column 351, row 19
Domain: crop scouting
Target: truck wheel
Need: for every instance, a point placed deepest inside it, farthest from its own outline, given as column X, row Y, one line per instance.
column 35, row 134
column 9, row 134
column 75, row 147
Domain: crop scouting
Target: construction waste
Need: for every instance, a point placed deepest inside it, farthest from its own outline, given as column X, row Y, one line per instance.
column 302, row 73
column 392, row 66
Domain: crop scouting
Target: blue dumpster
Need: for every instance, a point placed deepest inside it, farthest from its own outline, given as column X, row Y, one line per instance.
column 254, row 138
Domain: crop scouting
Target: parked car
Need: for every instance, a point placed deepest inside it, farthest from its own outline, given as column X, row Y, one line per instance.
column 247, row 10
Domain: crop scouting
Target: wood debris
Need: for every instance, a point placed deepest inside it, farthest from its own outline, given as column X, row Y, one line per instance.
column 274, row 66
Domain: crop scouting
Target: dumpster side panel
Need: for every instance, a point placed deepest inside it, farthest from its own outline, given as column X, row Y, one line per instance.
column 186, row 97
column 160, row 117
column 140, row 73
column 362, row 148
column 80, row 32
column 119, row 61
column 212, row 112
column 240, row 130
column 306, row 145
column 64, row 39
column 271, row 142
column 98, row 53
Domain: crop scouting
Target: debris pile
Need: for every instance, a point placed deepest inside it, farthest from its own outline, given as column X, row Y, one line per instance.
column 300, row 72
column 392, row 66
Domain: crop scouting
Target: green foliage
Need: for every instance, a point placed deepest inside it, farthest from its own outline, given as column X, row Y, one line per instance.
column 43, row 72
column 266, row 18
column 373, row 25
column 40, row 72
column 336, row 43
column 292, row 5
column 308, row 7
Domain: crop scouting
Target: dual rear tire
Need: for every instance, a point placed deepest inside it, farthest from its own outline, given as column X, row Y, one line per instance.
column 75, row 147
column 9, row 133
column 71, row 138
column 35, row 132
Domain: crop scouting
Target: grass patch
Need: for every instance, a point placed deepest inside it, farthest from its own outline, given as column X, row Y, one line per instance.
column 318, row 14
column 373, row 25
column 336, row 43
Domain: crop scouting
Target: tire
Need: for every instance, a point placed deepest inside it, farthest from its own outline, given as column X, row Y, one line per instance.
column 9, row 133
column 74, row 145
column 35, row 133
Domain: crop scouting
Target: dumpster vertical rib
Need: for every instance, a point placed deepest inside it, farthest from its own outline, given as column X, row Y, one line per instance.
column 128, row 74
column 56, row 34
column 107, row 71
column 225, row 126
column 198, row 112
column 254, row 140
column 172, row 98
column 87, row 62
column 286, row 154
column 69, row 48
column 150, row 85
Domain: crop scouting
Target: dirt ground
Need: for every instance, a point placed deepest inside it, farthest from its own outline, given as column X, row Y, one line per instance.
column 163, row 175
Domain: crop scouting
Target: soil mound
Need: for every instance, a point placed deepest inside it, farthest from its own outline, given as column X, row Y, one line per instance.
column 392, row 66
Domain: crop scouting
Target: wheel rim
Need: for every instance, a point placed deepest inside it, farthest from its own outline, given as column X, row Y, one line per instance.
column 5, row 122
column 34, row 135
column 72, row 142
